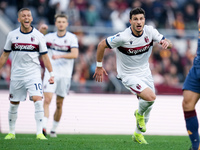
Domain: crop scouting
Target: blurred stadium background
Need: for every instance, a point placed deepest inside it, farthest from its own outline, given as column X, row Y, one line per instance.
column 93, row 20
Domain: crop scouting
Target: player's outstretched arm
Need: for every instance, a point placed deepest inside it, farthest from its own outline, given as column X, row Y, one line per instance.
column 98, row 75
column 4, row 58
column 48, row 65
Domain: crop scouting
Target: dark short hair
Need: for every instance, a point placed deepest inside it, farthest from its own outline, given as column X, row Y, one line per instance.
column 136, row 11
column 60, row 15
column 22, row 9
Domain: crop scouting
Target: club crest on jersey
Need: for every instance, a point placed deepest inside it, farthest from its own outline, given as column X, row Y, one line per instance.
column 138, row 86
column 32, row 39
column 146, row 39
column 65, row 41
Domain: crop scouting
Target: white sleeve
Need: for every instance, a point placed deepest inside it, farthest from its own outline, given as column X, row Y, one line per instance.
column 114, row 41
column 74, row 42
column 156, row 35
column 42, row 44
column 8, row 44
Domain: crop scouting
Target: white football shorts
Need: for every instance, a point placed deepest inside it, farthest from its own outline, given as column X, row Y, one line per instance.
column 61, row 85
column 19, row 89
column 137, row 84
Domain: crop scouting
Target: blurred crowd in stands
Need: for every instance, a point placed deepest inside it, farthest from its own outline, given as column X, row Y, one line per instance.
column 169, row 68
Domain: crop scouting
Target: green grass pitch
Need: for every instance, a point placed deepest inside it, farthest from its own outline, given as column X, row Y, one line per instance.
column 94, row 142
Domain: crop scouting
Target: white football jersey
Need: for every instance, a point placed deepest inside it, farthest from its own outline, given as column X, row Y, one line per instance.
column 25, row 48
column 59, row 46
column 133, row 51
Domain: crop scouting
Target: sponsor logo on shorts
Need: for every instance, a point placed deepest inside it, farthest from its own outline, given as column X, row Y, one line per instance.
column 138, row 86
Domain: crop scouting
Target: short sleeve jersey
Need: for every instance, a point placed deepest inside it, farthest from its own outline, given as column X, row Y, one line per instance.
column 26, row 49
column 60, row 46
column 133, row 51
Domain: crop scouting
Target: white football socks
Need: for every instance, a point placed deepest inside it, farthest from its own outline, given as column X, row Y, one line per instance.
column 144, row 105
column 39, row 115
column 144, row 109
column 55, row 125
column 12, row 117
column 45, row 121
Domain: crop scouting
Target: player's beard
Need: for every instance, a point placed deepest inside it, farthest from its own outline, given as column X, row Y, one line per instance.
column 62, row 30
column 139, row 32
column 26, row 27
column 142, row 26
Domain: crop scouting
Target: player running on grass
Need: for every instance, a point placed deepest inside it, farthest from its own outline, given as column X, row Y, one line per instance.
column 133, row 49
column 63, row 49
column 26, row 44
column 191, row 94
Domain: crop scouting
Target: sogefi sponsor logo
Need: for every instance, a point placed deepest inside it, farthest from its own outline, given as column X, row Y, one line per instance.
column 132, row 51
column 20, row 47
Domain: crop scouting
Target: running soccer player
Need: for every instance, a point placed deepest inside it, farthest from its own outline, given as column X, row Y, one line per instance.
column 63, row 49
column 26, row 44
column 191, row 94
column 133, row 49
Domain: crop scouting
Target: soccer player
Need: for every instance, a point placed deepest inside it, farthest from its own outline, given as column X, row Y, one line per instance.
column 26, row 44
column 133, row 49
column 191, row 94
column 63, row 49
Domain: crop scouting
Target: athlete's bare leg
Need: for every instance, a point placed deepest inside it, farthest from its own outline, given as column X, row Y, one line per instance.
column 47, row 100
column 58, row 112
column 189, row 100
column 147, row 94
